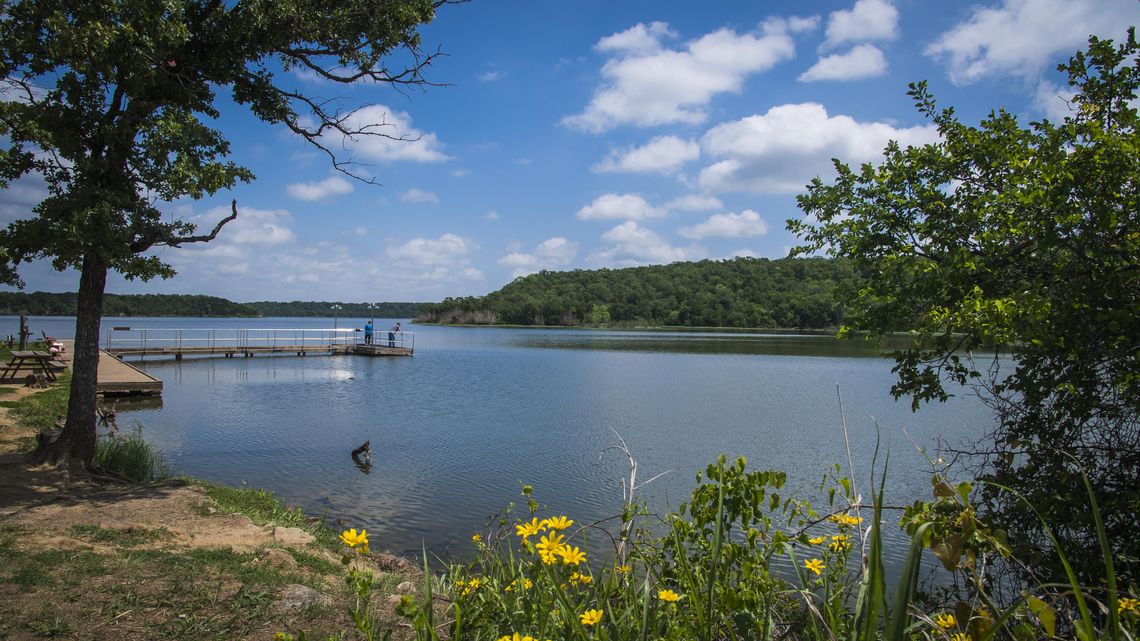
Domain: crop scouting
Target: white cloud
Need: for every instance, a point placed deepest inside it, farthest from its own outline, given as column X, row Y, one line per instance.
column 447, row 250
column 331, row 186
column 746, row 223
column 20, row 196
column 415, row 195
column 782, row 150
column 646, row 84
column 638, row 39
column 867, row 20
column 863, row 61
column 552, row 253
column 663, row 154
column 491, row 215
column 262, row 227
column 1021, row 37
column 490, row 76
column 460, row 173
column 619, row 207
column 1053, row 101
column 632, row 244
column 389, row 137
column 694, row 202
column 794, row 24
column 360, row 232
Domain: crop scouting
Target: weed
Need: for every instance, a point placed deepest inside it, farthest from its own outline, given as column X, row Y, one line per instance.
column 49, row 624
column 131, row 457
column 124, row 538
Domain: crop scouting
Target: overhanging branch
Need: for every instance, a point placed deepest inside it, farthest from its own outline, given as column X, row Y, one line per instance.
column 179, row 240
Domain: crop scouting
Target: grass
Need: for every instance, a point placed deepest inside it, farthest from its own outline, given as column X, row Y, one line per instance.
column 264, row 508
column 124, row 538
column 130, row 457
column 40, row 411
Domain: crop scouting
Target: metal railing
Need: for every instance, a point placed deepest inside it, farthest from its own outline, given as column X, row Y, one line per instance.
column 384, row 338
column 126, row 339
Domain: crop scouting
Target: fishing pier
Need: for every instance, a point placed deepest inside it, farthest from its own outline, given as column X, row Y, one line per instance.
column 123, row 342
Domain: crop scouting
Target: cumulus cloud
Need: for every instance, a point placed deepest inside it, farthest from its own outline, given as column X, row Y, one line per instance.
column 663, row 155
column 262, row 227
column 491, row 215
column 746, row 223
column 20, row 196
column 390, row 137
column 415, row 195
column 619, row 207
column 863, row 61
column 448, row 249
column 320, row 190
column 552, row 253
column 646, row 84
column 632, row 244
column 782, row 150
column 694, row 202
column 867, row 20
column 1021, row 37
column 1054, row 101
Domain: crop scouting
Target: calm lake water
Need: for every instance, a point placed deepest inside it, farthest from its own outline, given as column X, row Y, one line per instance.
column 476, row 412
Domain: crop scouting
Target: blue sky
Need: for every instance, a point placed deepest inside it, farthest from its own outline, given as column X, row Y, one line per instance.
column 589, row 134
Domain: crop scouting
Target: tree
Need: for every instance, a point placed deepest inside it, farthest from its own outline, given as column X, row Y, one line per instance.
column 109, row 102
column 1025, row 237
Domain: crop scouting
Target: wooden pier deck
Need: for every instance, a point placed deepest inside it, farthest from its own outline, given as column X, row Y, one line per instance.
column 381, row 350
column 115, row 377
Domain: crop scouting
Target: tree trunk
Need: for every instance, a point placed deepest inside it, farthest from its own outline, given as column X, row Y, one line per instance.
column 78, row 438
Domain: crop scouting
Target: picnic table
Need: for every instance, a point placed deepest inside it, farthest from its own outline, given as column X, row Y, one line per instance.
column 43, row 362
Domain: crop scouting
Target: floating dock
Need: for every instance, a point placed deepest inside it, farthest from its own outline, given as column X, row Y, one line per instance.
column 116, row 377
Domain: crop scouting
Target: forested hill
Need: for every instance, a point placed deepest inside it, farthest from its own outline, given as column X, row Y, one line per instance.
column 741, row 292
column 48, row 304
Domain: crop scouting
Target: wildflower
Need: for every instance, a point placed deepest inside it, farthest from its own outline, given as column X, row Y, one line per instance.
column 624, row 569
column 530, row 529
column 945, row 620
column 668, row 596
column 571, row 555
column 515, row 637
column 584, row 579
column 551, row 542
column 846, row 520
column 558, row 523
column 548, row 557
column 476, row 538
column 1128, row 606
column 816, row 541
column 352, row 539
column 527, row 584
column 961, row 636
column 815, row 565
column 591, row 617
column 840, row 543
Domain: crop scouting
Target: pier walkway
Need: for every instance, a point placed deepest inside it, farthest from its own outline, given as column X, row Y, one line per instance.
column 116, row 377
column 229, row 343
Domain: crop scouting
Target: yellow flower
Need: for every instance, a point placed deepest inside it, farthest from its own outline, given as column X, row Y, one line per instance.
column 584, row 579
column 551, row 542
column 474, row 583
column 1127, row 605
column 960, row 636
column 846, row 520
column 624, row 569
column 515, row 637
column 559, row 523
column 352, row 539
column 840, row 543
column 668, row 596
column 816, row 541
column 530, row 529
column 591, row 617
column 945, row 620
column 815, row 565
column 548, row 557
column 476, row 538
column 571, row 555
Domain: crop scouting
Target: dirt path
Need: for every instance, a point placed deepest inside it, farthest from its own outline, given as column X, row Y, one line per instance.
column 82, row 558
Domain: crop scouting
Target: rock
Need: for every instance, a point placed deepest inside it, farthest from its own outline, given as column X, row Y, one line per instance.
column 395, row 599
column 292, row 536
column 279, row 558
column 407, row 587
column 211, row 510
column 299, row 597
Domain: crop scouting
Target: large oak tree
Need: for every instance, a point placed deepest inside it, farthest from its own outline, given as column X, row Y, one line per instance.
column 1025, row 237
column 111, row 102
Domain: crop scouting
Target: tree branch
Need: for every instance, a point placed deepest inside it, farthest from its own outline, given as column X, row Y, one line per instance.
column 176, row 241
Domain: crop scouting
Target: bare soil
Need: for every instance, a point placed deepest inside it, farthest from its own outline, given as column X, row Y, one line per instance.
column 83, row 557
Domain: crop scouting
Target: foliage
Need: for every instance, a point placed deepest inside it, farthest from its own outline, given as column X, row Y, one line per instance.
column 1027, row 236
column 740, row 292
column 111, row 103
column 64, row 304
column 131, row 457
column 40, row 411
column 741, row 560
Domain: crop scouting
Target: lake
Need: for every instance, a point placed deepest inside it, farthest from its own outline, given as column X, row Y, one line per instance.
column 456, row 429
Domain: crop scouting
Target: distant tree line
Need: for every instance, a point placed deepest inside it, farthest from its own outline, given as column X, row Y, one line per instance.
column 740, row 292
column 64, row 304
column 324, row 308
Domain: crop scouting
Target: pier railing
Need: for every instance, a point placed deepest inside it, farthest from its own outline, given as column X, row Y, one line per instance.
column 126, row 340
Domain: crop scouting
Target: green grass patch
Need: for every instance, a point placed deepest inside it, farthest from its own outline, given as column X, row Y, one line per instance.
column 264, row 508
column 131, row 457
column 124, row 538
column 40, row 411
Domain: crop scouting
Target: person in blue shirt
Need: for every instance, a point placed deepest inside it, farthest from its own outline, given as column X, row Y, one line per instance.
column 368, row 333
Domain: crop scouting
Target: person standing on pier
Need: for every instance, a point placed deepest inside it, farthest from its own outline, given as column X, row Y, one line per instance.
column 392, row 334
column 368, row 333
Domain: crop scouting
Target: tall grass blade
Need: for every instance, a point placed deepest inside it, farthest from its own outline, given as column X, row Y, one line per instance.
column 907, row 587
column 718, row 541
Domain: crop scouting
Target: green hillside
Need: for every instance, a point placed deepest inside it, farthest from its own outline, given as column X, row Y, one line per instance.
column 740, row 292
column 63, row 304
